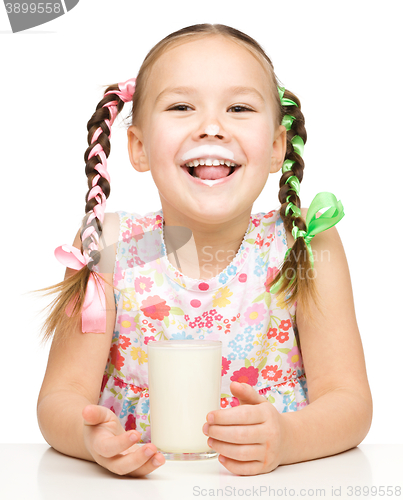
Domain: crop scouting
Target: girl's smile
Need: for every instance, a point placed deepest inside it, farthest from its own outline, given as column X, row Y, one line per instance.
column 208, row 181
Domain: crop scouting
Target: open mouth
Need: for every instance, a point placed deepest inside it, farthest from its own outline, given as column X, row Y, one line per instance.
column 211, row 172
column 231, row 173
column 192, row 172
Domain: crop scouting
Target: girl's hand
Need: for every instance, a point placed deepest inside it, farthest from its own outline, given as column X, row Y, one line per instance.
column 248, row 437
column 112, row 447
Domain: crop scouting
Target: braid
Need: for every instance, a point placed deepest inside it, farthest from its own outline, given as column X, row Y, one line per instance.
column 289, row 191
column 83, row 292
column 298, row 281
column 99, row 133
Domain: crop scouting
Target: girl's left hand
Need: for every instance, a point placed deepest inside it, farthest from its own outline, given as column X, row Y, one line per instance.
column 249, row 437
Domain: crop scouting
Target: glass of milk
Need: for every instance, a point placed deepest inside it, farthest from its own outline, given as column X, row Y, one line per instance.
column 184, row 378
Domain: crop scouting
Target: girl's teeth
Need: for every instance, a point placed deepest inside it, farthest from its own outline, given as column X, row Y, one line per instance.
column 209, row 162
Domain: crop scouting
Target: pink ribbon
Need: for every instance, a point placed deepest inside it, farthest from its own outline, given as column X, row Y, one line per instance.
column 126, row 90
column 94, row 311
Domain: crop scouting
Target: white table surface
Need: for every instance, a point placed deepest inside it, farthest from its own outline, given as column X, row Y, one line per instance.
column 37, row 471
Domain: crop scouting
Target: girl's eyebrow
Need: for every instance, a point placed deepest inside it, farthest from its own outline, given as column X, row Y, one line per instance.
column 237, row 90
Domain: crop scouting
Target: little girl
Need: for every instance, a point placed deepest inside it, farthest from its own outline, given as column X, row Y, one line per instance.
column 211, row 122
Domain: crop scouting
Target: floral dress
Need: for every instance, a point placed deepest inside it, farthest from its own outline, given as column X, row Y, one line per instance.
column 155, row 301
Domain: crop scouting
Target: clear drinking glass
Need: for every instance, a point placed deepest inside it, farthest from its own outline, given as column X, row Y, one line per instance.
column 184, row 378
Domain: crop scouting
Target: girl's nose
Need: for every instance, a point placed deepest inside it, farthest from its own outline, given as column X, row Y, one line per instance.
column 212, row 130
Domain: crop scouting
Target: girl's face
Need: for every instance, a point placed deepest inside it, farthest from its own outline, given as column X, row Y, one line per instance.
column 211, row 82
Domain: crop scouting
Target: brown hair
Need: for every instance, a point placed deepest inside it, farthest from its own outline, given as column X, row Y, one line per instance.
column 73, row 288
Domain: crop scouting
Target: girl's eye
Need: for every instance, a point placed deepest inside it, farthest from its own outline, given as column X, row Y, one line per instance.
column 239, row 108
column 245, row 108
column 179, row 106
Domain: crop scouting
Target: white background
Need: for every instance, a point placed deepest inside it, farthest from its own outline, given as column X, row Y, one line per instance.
column 342, row 59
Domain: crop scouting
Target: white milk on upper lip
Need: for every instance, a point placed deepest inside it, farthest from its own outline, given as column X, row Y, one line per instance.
column 208, row 150
column 184, row 386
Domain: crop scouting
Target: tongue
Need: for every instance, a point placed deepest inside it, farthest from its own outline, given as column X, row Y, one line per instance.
column 212, row 173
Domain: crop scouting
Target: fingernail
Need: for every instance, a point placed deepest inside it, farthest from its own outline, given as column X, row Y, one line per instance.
column 205, row 429
column 134, row 437
column 210, row 442
column 210, row 418
column 155, row 462
column 148, row 452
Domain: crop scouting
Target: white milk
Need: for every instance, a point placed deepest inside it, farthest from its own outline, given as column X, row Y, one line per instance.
column 184, row 379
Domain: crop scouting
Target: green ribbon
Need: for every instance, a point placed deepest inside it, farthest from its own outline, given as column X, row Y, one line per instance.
column 294, row 209
column 298, row 144
column 288, row 121
column 284, row 101
column 287, row 166
column 314, row 225
column 294, row 183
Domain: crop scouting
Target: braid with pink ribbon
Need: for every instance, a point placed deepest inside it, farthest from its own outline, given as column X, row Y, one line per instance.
column 94, row 311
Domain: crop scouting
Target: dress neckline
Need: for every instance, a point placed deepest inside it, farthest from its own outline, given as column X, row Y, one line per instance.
column 206, row 285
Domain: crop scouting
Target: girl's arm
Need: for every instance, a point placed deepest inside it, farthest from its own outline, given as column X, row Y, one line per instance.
column 74, row 373
column 73, row 381
column 254, row 438
column 340, row 411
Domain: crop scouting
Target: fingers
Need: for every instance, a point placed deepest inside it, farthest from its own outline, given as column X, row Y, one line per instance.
column 242, row 453
column 239, row 434
column 94, row 414
column 242, row 468
column 140, row 462
column 115, row 449
column 240, row 415
column 246, row 394
column 110, row 446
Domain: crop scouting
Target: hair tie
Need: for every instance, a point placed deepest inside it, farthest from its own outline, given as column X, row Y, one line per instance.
column 94, row 311
column 126, row 90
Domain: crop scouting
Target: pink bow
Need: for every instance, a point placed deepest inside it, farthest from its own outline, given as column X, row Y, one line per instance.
column 94, row 311
column 126, row 90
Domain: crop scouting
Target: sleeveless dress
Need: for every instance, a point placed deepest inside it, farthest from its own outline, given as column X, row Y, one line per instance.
column 155, row 301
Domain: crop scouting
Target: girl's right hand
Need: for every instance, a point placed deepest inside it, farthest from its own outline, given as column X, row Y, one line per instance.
column 112, row 447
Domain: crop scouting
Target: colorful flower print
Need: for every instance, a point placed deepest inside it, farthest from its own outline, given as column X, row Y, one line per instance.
column 224, row 365
column 154, row 302
column 116, row 358
column 155, row 308
column 272, row 373
column 139, row 354
column 246, row 375
column 294, row 357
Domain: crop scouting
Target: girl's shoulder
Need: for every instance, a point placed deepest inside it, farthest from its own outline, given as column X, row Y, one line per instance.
column 108, row 242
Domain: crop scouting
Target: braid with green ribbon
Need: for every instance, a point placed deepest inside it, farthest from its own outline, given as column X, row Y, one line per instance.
column 322, row 200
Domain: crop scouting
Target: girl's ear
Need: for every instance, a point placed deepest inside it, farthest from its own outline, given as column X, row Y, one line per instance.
column 135, row 147
column 279, row 149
